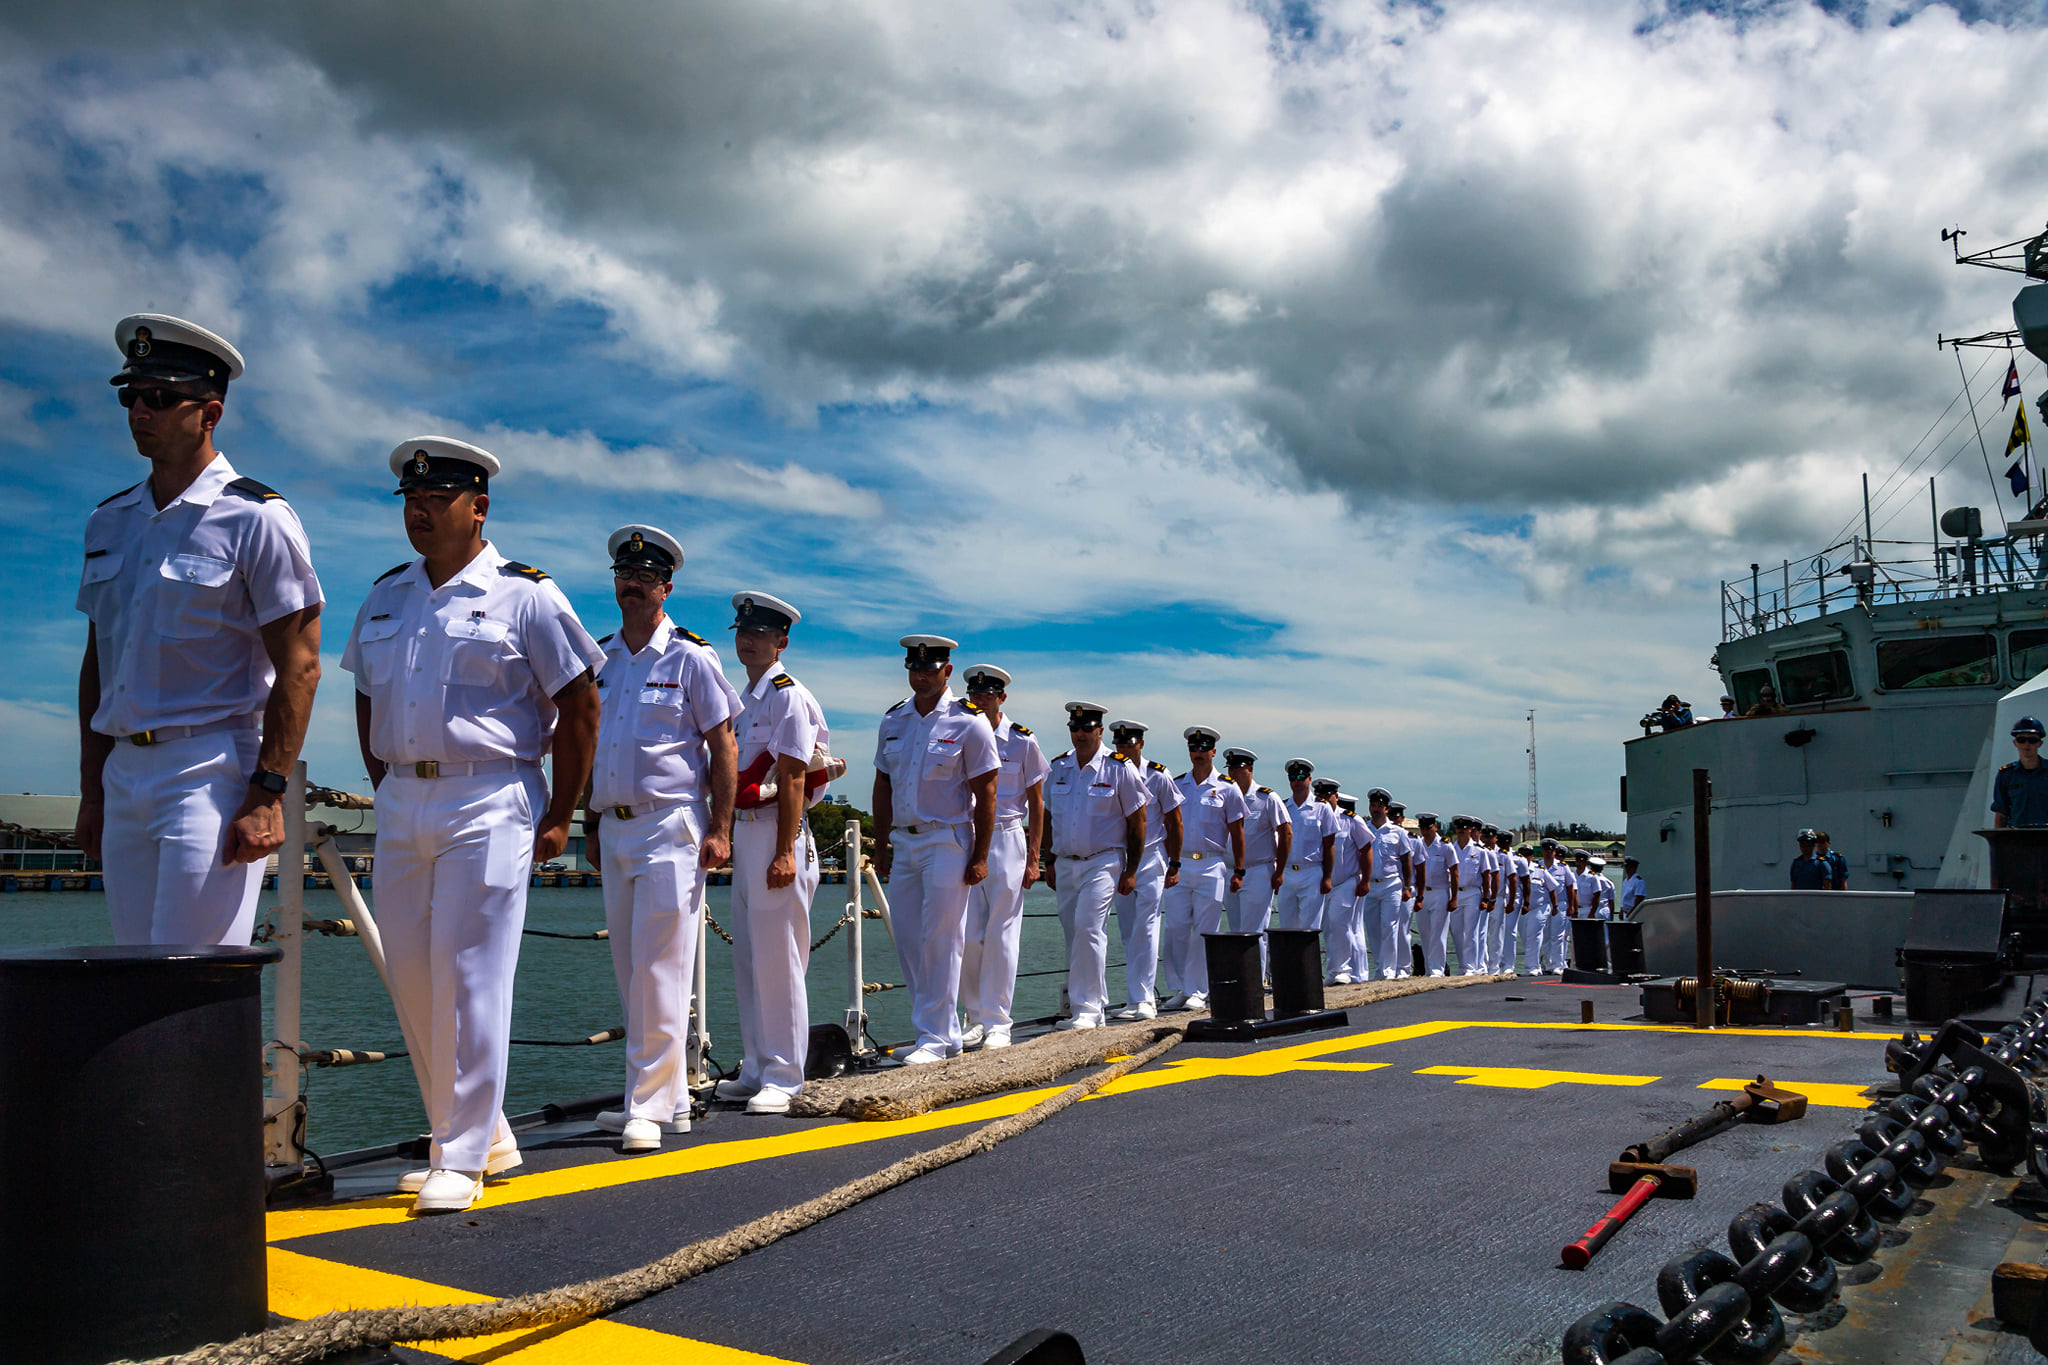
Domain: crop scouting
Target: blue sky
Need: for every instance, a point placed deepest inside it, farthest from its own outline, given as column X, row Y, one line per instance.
column 1351, row 377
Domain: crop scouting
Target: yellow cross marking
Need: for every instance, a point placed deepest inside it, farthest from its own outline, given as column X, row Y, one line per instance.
column 305, row 1286
column 1528, row 1078
column 1826, row 1094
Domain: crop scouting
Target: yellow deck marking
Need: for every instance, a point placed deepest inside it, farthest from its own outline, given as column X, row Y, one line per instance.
column 1528, row 1078
column 1826, row 1094
column 1171, row 1071
column 305, row 1286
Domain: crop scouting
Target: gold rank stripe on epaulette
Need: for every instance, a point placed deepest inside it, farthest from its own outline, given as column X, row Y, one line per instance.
column 394, row 569
column 606, row 639
column 514, row 567
column 784, row 680
column 124, row 492
column 1060, row 756
column 1120, row 756
column 897, row 707
column 1023, row 730
column 693, row 637
column 249, row 488
column 1267, row 790
column 1155, row 766
column 972, row 708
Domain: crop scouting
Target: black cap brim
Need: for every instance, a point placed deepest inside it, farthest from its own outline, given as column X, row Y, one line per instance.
column 147, row 372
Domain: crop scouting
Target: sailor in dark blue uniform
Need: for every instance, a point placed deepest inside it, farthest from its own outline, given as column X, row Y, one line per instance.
column 2019, row 794
column 1810, row 871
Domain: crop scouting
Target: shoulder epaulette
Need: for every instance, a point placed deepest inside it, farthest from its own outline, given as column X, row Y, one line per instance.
column 1154, row 766
column 1063, row 755
column 517, row 570
column 396, row 568
column 2007, row 768
column 897, row 707
column 783, row 680
column 693, row 637
column 123, row 493
column 1182, row 778
column 971, row 707
column 1120, row 756
column 1267, row 790
column 1023, row 730
column 249, row 488
column 606, row 639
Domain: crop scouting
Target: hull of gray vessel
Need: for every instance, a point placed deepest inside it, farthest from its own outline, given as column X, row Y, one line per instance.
column 1849, row 936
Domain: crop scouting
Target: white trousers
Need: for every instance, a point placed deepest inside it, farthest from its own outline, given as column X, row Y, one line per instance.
column 1137, row 919
column 1435, row 920
column 1404, row 937
column 1502, row 953
column 1557, row 937
column 1191, row 908
column 1300, row 902
column 168, row 808
column 771, row 951
column 1380, row 916
column 995, row 924
column 454, row 856
column 1087, row 886
column 928, row 908
column 654, row 911
column 1535, row 929
column 1344, row 931
column 1468, row 932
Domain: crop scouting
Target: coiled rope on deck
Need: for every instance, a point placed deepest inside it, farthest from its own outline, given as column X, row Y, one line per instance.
column 331, row 1332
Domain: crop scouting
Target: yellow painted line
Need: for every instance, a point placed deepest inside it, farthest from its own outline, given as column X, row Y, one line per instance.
column 1528, row 1078
column 305, row 1287
column 1171, row 1070
column 1826, row 1094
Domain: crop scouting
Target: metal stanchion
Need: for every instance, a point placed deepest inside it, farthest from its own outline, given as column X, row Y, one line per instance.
column 282, row 1066
column 1705, row 1007
column 856, row 1000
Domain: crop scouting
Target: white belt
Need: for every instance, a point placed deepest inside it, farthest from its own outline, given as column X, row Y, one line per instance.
column 1296, row 867
column 627, row 812
column 1089, row 857
column 1253, row 862
column 768, row 812
column 431, row 767
column 1198, row 857
column 928, row 826
column 1014, row 822
column 164, row 734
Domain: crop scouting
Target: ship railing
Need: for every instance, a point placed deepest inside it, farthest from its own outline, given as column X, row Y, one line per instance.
column 288, row 1062
column 1870, row 573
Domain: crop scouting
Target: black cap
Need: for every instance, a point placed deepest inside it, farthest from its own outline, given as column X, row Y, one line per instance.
column 2028, row 725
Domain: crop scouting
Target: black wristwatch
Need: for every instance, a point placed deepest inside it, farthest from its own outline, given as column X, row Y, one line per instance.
column 274, row 783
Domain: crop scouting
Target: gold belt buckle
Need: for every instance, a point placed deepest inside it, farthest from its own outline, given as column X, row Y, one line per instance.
column 427, row 767
column 623, row 812
column 143, row 738
column 1198, row 856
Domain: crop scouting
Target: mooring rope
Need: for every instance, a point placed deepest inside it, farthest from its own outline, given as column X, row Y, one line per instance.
column 331, row 1332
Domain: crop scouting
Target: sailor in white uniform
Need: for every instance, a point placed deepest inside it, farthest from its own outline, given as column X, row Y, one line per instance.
column 1307, row 883
column 935, row 806
column 469, row 667
column 1468, row 922
column 1388, row 889
column 1634, row 891
column 995, row 907
column 1097, row 807
column 1501, row 906
column 1212, row 866
column 201, row 659
column 1438, row 891
column 1138, row 913
column 1344, row 948
column 1404, row 938
column 1554, row 898
column 661, row 793
column 783, row 743
column 1268, row 844
column 1515, row 913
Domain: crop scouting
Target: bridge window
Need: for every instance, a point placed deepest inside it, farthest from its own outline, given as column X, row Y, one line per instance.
column 2028, row 650
column 1938, row 661
column 1815, row 678
column 1747, row 686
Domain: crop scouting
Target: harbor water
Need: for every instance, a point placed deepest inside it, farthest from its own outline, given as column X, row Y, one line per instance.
column 565, row 990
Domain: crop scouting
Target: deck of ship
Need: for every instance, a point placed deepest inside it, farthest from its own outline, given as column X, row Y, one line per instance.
column 1398, row 1190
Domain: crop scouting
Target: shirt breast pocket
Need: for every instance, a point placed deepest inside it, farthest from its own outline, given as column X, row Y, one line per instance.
column 477, row 654
column 377, row 647
column 197, row 594
column 941, row 758
column 97, row 582
column 660, row 713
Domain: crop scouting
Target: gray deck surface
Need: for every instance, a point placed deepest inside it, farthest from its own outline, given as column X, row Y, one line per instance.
column 1311, row 1215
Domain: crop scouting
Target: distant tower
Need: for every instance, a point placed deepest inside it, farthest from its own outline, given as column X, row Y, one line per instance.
column 1535, row 816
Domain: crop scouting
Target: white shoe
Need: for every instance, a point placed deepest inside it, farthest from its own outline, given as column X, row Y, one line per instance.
column 769, row 1101
column 995, row 1039
column 1178, row 1000
column 614, row 1121
column 974, row 1037
column 1196, row 1001
column 1143, row 1010
column 1434, row 975
column 924, row 1055
column 640, row 1135
column 1079, row 1021
column 736, row 1090
column 446, row 1191
column 504, row 1155
column 1342, row 979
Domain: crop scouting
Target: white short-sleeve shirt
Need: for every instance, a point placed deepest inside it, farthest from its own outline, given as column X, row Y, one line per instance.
column 1088, row 802
column 1472, row 860
column 1207, row 811
column 1023, row 767
column 654, row 709
column 1265, row 810
column 1353, row 834
column 1313, row 822
column 179, row 597
column 1439, row 856
column 466, row 672
column 931, row 759
column 779, row 715
column 1161, row 796
column 1389, row 846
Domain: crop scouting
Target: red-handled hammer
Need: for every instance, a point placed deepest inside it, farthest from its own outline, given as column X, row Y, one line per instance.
column 1643, row 1181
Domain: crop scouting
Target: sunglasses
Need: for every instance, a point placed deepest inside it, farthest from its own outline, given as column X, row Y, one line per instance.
column 650, row 577
column 1079, row 724
column 1201, row 746
column 156, row 400
column 2026, row 739
column 989, row 686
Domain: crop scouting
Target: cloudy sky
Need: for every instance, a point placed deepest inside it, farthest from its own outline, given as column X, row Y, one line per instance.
column 1354, row 377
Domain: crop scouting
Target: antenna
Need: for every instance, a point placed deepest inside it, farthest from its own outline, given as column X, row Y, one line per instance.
column 1535, row 817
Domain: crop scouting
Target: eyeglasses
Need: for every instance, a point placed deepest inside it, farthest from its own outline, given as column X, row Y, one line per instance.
column 2026, row 739
column 156, row 400
column 650, row 577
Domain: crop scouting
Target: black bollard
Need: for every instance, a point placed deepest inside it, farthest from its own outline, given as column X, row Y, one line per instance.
column 1235, row 991
column 1296, row 956
column 131, row 1135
